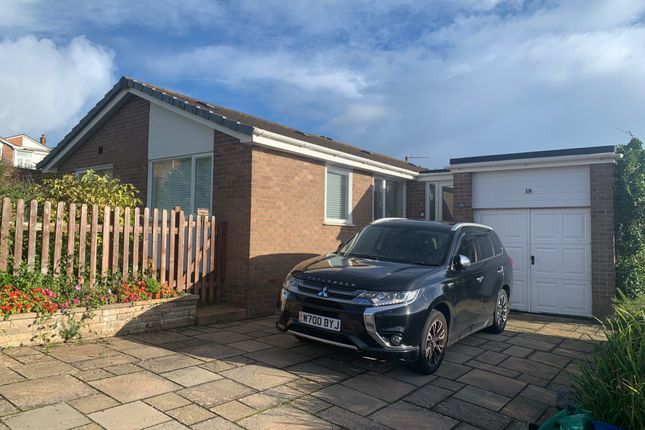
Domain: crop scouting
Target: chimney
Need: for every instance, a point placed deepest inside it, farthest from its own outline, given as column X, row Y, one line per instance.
column 43, row 139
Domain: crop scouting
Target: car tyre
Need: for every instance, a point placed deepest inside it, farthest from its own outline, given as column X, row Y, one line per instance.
column 500, row 314
column 434, row 341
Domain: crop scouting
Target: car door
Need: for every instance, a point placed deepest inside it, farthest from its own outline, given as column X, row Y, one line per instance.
column 463, row 287
column 493, row 275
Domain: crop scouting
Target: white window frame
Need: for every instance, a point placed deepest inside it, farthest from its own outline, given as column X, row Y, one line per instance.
column 438, row 198
column 193, row 163
column 350, row 205
column 385, row 180
column 80, row 172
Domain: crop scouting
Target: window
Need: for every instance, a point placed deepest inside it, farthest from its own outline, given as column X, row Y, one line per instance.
column 389, row 198
column 420, row 245
column 185, row 182
column 439, row 201
column 467, row 248
column 338, row 186
column 497, row 244
column 104, row 170
column 485, row 247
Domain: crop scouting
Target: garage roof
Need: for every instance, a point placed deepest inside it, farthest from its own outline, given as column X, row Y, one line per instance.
column 535, row 154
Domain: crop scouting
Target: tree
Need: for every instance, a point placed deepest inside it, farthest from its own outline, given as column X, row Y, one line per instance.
column 629, row 218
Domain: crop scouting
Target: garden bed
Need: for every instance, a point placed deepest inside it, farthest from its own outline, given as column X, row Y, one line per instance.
column 107, row 320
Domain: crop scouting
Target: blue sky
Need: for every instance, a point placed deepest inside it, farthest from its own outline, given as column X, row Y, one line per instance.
column 437, row 78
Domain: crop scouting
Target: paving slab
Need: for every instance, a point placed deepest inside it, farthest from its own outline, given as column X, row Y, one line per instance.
column 524, row 409
column 492, row 382
column 259, row 377
column 349, row 398
column 123, row 389
column 310, row 404
column 216, row 423
column 405, row 416
column 43, row 368
column 131, row 416
column 191, row 414
column 285, row 418
column 211, row 351
column 55, row 417
column 216, row 392
column 278, row 357
column 234, row 410
column 96, row 402
column 380, row 386
column 167, row 401
column 316, row 372
column 348, row 420
column 169, row 363
column 487, row 399
column 83, row 352
column 190, row 376
column 45, row 391
column 472, row 414
column 428, row 396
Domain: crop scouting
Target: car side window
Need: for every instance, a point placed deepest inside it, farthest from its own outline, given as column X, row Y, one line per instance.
column 485, row 247
column 467, row 248
column 497, row 244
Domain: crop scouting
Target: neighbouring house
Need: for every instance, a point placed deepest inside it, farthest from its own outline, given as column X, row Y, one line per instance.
column 288, row 195
column 23, row 151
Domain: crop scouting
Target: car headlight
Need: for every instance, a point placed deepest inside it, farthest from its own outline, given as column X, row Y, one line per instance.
column 383, row 298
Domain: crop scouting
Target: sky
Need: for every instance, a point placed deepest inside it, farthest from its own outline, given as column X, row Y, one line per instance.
column 436, row 79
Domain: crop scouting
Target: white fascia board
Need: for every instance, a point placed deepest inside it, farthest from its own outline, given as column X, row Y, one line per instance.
column 81, row 134
column 244, row 138
column 536, row 163
column 435, row 177
column 310, row 150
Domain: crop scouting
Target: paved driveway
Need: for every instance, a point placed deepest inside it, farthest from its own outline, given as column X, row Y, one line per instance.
column 245, row 375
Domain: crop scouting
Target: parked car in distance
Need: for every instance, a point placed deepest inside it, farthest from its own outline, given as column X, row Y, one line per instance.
column 401, row 290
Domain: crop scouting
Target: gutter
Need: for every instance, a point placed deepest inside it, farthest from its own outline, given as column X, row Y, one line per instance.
column 534, row 163
column 295, row 146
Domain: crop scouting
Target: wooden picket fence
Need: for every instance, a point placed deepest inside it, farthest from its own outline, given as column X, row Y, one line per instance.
column 87, row 243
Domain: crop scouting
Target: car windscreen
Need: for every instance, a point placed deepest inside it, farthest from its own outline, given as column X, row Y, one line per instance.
column 404, row 244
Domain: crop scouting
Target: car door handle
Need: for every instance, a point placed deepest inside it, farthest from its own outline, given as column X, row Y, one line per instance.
column 500, row 269
column 532, row 259
column 480, row 278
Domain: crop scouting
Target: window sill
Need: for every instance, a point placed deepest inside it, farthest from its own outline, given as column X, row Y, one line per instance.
column 338, row 223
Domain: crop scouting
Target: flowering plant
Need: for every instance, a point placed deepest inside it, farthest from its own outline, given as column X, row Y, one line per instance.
column 21, row 293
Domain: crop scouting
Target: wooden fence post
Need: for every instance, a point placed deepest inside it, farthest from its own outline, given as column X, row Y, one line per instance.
column 33, row 225
column 4, row 232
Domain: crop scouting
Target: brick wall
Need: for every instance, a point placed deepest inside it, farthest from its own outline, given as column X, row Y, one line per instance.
column 463, row 197
column 124, row 139
column 287, row 217
column 7, row 154
column 118, row 319
column 415, row 200
column 603, row 275
column 232, row 203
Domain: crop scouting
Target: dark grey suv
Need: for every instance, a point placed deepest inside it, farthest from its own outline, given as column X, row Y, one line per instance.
column 401, row 290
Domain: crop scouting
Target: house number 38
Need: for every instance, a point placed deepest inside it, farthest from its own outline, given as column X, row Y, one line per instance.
column 528, row 190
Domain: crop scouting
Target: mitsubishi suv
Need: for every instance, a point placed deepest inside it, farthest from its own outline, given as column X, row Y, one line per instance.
column 401, row 290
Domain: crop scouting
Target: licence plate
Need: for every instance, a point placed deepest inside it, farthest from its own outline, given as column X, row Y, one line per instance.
column 319, row 321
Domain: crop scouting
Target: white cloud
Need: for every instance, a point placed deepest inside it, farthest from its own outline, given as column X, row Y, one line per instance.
column 239, row 67
column 45, row 87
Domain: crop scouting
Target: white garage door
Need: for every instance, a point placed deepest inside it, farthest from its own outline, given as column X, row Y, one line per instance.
column 551, row 252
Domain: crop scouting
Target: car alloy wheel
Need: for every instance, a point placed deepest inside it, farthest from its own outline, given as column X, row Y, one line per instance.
column 501, row 312
column 436, row 342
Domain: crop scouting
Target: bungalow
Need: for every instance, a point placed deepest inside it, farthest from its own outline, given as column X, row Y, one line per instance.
column 287, row 194
column 23, row 151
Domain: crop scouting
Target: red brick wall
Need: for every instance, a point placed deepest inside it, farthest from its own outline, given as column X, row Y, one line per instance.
column 7, row 154
column 124, row 139
column 232, row 203
column 415, row 200
column 463, row 197
column 603, row 275
column 287, row 220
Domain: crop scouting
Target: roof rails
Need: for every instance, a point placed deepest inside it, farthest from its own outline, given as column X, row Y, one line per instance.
column 469, row 224
column 380, row 220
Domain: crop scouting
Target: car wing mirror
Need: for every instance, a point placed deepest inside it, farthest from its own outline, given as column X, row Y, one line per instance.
column 461, row 262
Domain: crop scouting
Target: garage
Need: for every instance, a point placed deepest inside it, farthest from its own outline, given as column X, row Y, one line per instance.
column 553, row 211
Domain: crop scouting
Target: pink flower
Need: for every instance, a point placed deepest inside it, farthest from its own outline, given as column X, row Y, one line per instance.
column 76, row 301
column 78, row 287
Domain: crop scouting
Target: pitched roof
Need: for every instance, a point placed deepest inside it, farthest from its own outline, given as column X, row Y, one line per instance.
column 234, row 120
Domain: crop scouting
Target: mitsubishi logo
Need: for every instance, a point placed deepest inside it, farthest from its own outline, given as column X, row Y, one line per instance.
column 323, row 292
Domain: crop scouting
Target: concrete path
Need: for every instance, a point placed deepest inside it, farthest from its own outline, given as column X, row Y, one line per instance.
column 246, row 375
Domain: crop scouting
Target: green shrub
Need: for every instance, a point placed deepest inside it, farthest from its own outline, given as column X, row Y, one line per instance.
column 612, row 385
column 629, row 219
column 91, row 189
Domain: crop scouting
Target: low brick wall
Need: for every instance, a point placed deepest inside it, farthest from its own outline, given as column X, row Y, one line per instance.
column 108, row 320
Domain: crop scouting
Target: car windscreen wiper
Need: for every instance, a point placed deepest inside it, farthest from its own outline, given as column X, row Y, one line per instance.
column 369, row 257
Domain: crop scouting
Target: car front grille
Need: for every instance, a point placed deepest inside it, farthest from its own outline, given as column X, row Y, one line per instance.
column 325, row 291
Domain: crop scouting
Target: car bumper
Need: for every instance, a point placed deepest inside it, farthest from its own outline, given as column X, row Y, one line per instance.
column 365, row 329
